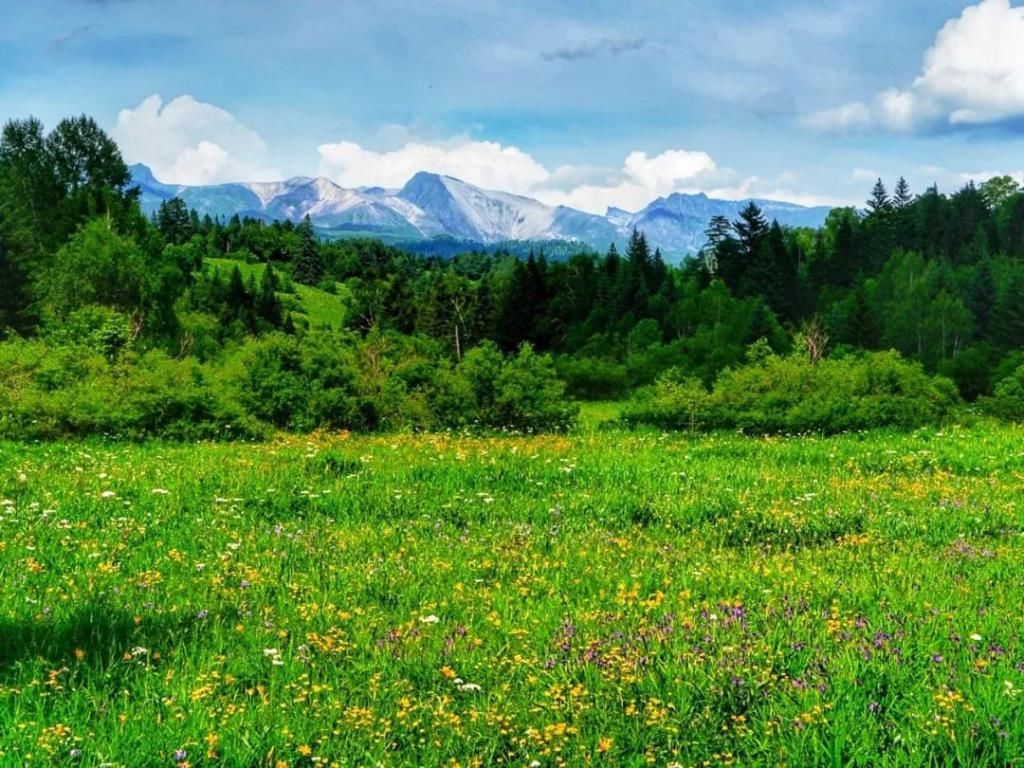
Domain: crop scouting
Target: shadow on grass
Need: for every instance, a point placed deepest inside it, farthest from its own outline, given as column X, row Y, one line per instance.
column 97, row 635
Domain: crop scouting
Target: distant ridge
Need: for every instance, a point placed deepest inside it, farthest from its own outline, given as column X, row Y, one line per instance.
column 432, row 205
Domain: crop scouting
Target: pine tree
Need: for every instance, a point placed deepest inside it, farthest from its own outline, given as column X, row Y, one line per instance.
column 751, row 228
column 174, row 222
column 308, row 261
column 879, row 202
column 718, row 232
column 901, row 194
column 268, row 306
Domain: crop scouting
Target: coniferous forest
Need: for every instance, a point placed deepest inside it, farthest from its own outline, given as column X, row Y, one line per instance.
column 122, row 324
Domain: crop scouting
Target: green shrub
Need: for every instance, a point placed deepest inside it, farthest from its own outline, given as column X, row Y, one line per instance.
column 529, row 395
column 520, row 393
column 788, row 395
column 332, row 380
column 593, row 378
column 52, row 392
column 1007, row 402
column 674, row 402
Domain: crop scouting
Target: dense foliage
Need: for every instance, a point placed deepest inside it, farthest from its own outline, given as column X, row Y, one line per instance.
column 785, row 394
column 278, row 328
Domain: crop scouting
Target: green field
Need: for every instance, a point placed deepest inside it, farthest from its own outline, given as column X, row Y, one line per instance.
column 319, row 307
column 608, row 598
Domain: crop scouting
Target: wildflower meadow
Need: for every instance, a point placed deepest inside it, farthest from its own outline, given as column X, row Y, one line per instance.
column 609, row 598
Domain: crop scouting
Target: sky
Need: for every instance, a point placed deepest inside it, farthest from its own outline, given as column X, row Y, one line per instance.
column 588, row 103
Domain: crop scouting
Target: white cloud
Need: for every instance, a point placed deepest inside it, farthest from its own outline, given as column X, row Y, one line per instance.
column 506, row 168
column 190, row 142
column 976, row 65
column 641, row 180
column 784, row 187
column 972, row 74
column 484, row 163
column 848, row 116
column 951, row 181
column 897, row 110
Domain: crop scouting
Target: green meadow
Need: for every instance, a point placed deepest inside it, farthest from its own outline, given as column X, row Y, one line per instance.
column 317, row 306
column 602, row 598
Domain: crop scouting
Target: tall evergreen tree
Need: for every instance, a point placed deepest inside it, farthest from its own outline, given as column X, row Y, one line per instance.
column 308, row 261
column 901, row 194
column 751, row 229
column 879, row 202
column 174, row 221
column 268, row 305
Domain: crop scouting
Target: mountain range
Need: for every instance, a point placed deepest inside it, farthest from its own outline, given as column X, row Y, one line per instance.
column 433, row 206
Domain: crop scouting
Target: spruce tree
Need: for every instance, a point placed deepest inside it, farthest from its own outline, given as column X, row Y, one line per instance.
column 718, row 232
column 174, row 221
column 309, row 263
column 751, row 228
column 268, row 306
column 879, row 202
column 901, row 194
column 845, row 264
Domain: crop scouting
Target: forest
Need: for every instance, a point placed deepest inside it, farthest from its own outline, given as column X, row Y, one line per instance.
column 906, row 312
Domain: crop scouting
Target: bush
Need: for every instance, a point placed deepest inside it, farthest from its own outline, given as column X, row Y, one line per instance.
column 1007, row 402
column 52, row 392
column 332, row 380
column 788, row 395
column 593, row 378
column 520, row 393
column 674, row 402
column 530, row 397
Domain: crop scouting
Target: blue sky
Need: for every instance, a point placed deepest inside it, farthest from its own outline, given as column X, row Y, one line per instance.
column 589, row 103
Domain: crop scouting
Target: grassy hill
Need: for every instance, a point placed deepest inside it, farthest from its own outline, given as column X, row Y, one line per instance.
column 317, row 306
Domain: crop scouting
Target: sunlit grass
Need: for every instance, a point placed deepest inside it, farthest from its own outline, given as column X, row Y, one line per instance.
column 607, row 598
column 319, row 307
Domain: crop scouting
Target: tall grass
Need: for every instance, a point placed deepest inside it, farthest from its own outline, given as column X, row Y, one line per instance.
column 606, row 598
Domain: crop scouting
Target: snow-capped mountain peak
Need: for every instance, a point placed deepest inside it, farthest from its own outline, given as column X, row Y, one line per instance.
column 431, row 205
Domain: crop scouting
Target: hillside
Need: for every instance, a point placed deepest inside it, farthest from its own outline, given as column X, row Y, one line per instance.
column 317, row 306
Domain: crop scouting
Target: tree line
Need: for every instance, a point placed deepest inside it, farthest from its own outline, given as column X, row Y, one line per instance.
column 938, row 278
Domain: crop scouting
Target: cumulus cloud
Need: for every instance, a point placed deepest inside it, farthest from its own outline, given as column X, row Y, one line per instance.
column 641, row 178
column 186, row 141
column 484, row 163
column 190, row 142
column 495, row 166
column 973, row 74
